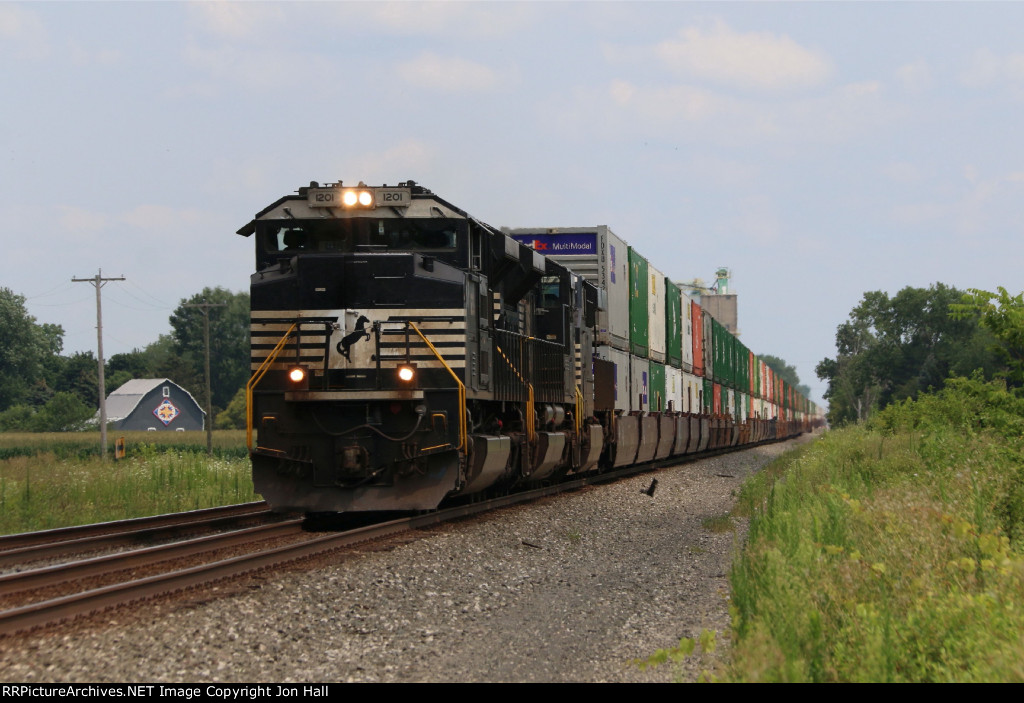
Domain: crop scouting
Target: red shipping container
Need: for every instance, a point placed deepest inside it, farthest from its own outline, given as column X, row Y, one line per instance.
column 698, row 339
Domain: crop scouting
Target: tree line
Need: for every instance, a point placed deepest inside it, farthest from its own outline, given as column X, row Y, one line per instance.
column 43, row 390
column 894, row 348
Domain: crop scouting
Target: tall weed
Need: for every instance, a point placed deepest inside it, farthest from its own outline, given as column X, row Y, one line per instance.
column 890, row 552
column 46, row 489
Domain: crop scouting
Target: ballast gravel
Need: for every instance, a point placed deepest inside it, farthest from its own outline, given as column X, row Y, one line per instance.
column 569, row 589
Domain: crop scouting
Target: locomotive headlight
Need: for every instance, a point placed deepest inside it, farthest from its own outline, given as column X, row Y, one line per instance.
column 353, row 197
column 297, row 375
column 406, row 373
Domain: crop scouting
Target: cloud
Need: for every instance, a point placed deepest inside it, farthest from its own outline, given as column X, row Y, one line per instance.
column 903, row 172
column 751, row 60
column 253, row 69
column 82, row 56
column 977, row 207
column 154, row 218
column 667, row 104
column 22, row 33
column 405, row 160
column 687, row 114
column 469, row 19
column 237, row 20
column 987, row 69
column 79, row 220
column 434, row 72
column 261, row 20
column 915, row 77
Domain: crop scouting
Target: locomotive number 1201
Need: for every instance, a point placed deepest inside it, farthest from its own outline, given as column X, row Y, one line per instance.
column 334, row 197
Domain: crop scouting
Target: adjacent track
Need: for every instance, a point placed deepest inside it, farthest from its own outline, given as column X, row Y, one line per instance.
column 32, row 546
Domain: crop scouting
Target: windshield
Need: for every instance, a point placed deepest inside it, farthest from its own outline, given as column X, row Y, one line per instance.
column 276, row 237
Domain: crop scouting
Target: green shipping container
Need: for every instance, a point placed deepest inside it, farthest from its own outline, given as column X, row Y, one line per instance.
column 639, row 333
column 658, row 402
column 673, row 324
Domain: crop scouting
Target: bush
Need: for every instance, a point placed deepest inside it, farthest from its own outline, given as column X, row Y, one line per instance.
column 892, row 551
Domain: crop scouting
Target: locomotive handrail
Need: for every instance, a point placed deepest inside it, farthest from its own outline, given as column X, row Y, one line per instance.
column 531, row 417
column 462, row 388
column 531, row 432
column 579, row 411
column 257, row 377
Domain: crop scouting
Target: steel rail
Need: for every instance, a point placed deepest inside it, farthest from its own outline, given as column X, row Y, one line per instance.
column 124, row 534
column 26, row 539
column 97, row 566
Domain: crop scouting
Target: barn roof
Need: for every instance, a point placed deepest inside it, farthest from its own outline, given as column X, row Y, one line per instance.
column 123, row 401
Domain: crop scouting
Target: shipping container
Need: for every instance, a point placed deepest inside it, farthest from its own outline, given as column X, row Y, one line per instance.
column 657, row 390
column 621, row 361
column 639, row 384
column 673, row 324
column 698, row 339
column 686, row 323
column 639, row 329
column 600, row 256
column 656, row 315
column 674, row 388
column 709, row 359
column 693, row 393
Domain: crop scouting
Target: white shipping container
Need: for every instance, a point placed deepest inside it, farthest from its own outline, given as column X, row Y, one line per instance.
column 639, row 384
column 601, row 257
column 674, row 388
column 656, row 314
column 693, row 386
column 686, row 322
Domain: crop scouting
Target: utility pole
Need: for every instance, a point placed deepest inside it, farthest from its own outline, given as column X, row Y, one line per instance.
column 205, row 308
column 99, row 282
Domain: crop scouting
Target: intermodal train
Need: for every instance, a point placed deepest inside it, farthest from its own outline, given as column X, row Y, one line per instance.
column 405, row 353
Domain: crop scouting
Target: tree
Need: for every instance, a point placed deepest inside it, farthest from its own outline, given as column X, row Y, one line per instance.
column 895, row 348
column 26, row 351
column 1003, row 315
column 229, row 343
column 786, row 372
column 233, row 416
column 77, row 376
column 63, row 413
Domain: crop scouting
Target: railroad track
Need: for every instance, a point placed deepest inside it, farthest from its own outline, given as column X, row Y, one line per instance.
column 75, row 587
column 28, row 547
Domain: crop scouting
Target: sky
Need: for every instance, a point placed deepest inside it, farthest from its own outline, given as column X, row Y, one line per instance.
column 818, row 150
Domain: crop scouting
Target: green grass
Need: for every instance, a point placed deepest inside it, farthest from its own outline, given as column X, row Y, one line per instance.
column 82, row 445
column 718, row 523
column 890, row 553
column 56, row 480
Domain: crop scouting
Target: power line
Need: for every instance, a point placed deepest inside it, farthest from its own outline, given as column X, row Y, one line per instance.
column 60, row 286
column 99, row 281
column 163, row 304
